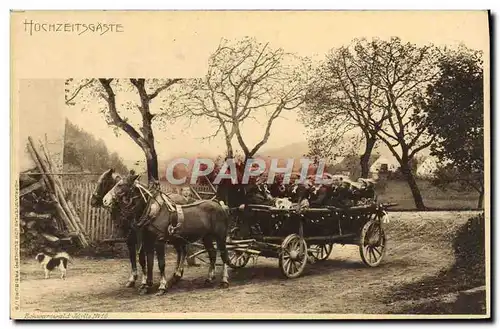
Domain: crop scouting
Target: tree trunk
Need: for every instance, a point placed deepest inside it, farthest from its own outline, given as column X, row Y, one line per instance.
column 229, row 149
column 152, row 164
column 480, row 200
column 415, row 191
column 365, row 158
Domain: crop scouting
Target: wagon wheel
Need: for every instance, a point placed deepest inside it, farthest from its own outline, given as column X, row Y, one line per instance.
column 321, row 252
column 293, row 256
column 238, row 259
column 372, row 244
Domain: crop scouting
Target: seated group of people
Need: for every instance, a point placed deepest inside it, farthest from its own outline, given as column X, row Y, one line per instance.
column 342, row 193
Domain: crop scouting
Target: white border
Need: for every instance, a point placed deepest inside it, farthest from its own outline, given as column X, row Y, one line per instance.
column 186, row 5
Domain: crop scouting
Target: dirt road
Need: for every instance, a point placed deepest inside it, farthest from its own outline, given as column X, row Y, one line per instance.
column 418, row 245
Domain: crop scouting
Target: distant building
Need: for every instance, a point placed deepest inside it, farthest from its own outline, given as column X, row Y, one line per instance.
column 384, row 164
column 429, row 167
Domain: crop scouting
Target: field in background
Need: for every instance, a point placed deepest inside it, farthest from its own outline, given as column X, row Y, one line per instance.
column 399, row 192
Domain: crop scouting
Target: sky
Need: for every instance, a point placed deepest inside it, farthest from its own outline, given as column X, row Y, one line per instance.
column 310, row 34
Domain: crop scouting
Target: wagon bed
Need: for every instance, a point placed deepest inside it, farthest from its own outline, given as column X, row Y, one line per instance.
column 298, row 237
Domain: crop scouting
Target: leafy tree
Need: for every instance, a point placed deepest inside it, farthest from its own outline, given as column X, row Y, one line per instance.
column 118, row 114
column 345, row 93
column 403, row 71
column 454, row 106
column 247, row 80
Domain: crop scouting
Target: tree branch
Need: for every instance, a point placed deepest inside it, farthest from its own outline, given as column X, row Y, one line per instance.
column 115, row 117
column 167, row 85
column 68, row 101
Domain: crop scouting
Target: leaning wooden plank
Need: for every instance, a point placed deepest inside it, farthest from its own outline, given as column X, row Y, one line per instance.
column 60, row 193
column 33, row 187
column 60, row 185
column 43, row 170
column 34, row 215
column 50, row 237
column 35, row 157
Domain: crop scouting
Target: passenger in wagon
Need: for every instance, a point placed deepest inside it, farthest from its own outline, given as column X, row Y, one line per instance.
column 368, row 190
column 319, row 195
column 343, row 196
column 256, row 192
column 187, row 194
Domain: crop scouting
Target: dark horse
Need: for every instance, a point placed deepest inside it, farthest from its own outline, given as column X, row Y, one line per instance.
column 126, row 217
column 162, row 219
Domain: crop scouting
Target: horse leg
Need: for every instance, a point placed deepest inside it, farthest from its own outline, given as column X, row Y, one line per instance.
column 142, row 262
column 221, row 245
column 179, row 270
column 160, row 254
column 212, row 255
column 131, row 244
column 149, row 249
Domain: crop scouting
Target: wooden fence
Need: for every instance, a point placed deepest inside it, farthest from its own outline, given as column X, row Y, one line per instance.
column 97, row 222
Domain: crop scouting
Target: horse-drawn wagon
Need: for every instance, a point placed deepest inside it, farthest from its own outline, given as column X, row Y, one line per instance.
column 296, row 237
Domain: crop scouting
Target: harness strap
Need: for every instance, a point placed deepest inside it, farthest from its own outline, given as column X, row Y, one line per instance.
column 180, row 220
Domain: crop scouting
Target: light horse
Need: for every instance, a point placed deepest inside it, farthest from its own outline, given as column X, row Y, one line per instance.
column 126, row 215
column 162, row 219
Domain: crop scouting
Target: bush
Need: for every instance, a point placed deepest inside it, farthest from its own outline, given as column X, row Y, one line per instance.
column 469, row 246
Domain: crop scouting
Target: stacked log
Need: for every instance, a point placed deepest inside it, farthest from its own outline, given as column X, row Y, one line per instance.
column 50, row 186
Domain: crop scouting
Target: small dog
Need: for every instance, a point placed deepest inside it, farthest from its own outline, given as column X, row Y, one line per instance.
column 49, row 263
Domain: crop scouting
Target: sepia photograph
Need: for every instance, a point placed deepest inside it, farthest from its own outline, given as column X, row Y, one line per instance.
column 246, row 164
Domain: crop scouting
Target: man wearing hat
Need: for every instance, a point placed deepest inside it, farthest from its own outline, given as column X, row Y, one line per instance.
column 256, row 192
column 343, row 196
column 368, row 189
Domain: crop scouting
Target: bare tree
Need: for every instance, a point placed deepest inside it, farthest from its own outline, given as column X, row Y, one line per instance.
column 403, row 72
column 105, row 90
column 248, row 80
column 344, row 99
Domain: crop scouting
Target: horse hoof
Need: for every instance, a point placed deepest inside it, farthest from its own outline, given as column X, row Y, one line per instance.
column 224, row 285
column 161, row 292
column 143, row 290
column 130, row 284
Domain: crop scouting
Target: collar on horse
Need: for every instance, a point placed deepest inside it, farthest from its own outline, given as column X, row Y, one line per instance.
column 176, row 218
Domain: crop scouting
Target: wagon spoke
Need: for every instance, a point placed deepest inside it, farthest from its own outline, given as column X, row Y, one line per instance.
column 288, row 265
column 293, row 257
column 373, row 254
column 294, row 264
column 369, row 254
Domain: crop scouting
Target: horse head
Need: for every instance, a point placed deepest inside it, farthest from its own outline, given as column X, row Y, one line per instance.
column 124, row 187
column 104, row 184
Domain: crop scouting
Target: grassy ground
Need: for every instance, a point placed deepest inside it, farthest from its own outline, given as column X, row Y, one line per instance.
column 467, row 272
column 399, row 192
